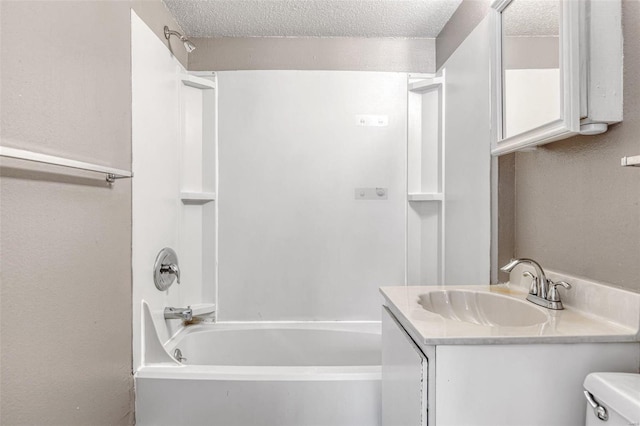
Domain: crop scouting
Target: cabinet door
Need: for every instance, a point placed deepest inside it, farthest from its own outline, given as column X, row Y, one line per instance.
column 404, row 376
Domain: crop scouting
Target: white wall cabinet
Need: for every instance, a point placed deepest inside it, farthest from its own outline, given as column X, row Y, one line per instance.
column 490, row 384
column 557, row 70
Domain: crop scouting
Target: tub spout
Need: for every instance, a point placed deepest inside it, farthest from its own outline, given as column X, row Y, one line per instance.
column 184, row 314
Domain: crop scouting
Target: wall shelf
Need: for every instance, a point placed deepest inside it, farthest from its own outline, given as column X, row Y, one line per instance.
column 630, row 161
column 197, row 197
column 425, row 196
column 201, row 309
column 425, row 180
column 197, row 218
column 425, row 85
column 197, row 82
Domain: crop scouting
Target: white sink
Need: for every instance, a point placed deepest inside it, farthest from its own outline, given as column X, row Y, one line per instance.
column 482, row 308
column 499, row 314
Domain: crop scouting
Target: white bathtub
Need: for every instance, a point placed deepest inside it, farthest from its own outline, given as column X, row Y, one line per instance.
column 250, row 374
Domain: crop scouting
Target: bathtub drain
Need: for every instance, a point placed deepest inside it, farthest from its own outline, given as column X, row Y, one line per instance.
column 177, row 354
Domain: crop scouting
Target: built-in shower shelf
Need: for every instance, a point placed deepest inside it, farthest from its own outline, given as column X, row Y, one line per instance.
column 425, row 196
column 426, row 84
column 197, row 82
column 631, row 161
column 197, row 197
column 201, row 309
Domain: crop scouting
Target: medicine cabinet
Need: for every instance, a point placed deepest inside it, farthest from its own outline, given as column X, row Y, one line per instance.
column 556, row 70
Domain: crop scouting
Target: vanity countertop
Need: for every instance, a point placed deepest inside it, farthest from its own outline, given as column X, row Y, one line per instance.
column 571, row 325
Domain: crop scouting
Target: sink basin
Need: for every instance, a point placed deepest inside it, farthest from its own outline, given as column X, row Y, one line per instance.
column 482, row 308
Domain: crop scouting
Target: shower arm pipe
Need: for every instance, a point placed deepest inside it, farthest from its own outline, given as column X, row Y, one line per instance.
column 111, row 173
column 168, row 33
column 188, row 45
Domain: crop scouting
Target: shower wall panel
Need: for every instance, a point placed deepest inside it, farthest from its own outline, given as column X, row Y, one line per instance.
column 294, row 242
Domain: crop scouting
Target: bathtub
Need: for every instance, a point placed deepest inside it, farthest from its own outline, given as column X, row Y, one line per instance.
column 250, row 374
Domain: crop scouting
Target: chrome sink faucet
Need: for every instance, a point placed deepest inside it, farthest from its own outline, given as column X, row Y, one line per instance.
column 543, row 292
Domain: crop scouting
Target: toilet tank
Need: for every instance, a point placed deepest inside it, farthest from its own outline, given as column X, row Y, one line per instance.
column 618, row 393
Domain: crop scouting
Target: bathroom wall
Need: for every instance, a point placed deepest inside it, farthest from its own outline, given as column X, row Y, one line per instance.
column 65, row 236
column 295, row 243
column 506, row 213
column 167, row 138
column 569, row 204
column 578, row 211
column 468, row 160
column 313, row 53
column 462, row 22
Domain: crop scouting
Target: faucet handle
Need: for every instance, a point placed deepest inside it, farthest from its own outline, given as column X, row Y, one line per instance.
column 533, row 288
column 171, row 268
column 554, row 296
column 165, row 269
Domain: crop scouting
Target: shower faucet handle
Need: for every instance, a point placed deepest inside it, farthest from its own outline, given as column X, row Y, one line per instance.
column 171, row 268
column 166, row 269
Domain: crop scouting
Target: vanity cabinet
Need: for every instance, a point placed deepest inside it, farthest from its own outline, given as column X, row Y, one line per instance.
column 404, row 376
column 488, row 383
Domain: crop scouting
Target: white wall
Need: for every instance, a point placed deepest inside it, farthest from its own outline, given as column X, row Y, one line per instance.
column 468, row 160
column 167, row 154
column 294, row 243
column 593, row 228
column 155, row 162
column 65, row 235
column 314, row 53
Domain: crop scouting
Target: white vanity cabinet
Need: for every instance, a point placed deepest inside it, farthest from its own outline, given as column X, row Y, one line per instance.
column 442, row 372
column 404, row 376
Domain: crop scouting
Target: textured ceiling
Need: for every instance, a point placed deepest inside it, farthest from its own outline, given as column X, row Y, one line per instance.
column 312, row 18
column 532, row 18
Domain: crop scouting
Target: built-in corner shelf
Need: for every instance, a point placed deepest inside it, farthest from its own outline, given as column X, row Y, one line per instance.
column 197, row 82
column 425, row 179
column 202, row 309
column 425, row 196
column 631, row 161
column 197, row 197
column 426, row 84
